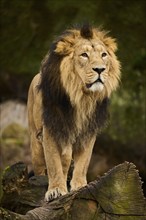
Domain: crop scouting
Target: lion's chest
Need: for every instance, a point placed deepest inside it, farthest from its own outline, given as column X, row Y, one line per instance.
column 81, row 129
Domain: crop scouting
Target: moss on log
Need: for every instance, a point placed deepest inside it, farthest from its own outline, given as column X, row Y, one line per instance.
column 116, row 195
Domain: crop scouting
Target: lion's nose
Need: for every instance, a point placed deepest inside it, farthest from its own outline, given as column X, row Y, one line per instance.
column 99, row 70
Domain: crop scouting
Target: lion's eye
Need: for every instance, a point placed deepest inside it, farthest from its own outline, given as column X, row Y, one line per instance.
column 104, row 54
column 84, row 55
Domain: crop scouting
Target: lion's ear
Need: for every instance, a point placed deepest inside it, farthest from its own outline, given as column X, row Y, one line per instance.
column 110, row 43
column 65, row 45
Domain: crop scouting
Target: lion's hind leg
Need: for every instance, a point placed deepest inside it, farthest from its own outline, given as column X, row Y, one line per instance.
column 38, row 160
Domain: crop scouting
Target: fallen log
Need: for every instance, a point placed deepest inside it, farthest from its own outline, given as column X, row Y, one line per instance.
column 116, row 195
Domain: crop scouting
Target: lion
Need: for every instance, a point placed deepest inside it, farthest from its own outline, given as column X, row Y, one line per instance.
column 68, row 105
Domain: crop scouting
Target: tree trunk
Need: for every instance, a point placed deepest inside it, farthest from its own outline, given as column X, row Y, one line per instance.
column 115, row 196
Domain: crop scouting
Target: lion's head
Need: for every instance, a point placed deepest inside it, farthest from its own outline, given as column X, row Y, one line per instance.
column 80, row 70
column 89, row 62
column 77, row 77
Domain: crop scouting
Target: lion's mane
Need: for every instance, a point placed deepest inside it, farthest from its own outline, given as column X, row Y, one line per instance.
column 71, row 114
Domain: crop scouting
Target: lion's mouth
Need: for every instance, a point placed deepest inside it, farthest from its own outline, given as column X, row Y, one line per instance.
column 96, row 81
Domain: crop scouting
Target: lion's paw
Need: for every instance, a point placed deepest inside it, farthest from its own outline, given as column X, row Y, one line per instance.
column 54, row 193
column 75, row 185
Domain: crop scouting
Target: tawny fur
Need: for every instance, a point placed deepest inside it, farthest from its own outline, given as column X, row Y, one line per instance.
column 67, row 105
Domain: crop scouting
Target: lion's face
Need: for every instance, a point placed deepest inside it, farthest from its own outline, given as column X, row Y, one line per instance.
column 89, row 63
column 92, row 63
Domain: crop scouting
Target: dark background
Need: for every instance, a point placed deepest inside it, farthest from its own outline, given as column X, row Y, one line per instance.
column 27, row 30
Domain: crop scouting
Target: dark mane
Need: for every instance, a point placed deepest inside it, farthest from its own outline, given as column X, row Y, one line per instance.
column 50, row 79
column 57, row 109
column 86, row 31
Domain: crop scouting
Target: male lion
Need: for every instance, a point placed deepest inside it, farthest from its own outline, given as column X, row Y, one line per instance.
column 67, row 105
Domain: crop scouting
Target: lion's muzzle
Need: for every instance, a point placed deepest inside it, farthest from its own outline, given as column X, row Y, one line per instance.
column 96, row 81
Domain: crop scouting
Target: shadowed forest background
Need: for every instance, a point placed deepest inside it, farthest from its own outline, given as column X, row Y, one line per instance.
column 27, row 29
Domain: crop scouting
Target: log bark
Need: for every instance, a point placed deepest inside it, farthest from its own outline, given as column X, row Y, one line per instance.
column 116, row 195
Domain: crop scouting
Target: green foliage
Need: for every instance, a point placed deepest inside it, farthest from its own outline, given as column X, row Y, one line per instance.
column 28, row 28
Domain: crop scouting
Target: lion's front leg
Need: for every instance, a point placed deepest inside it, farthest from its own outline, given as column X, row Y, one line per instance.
column 57, row 181
column 81, row 163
